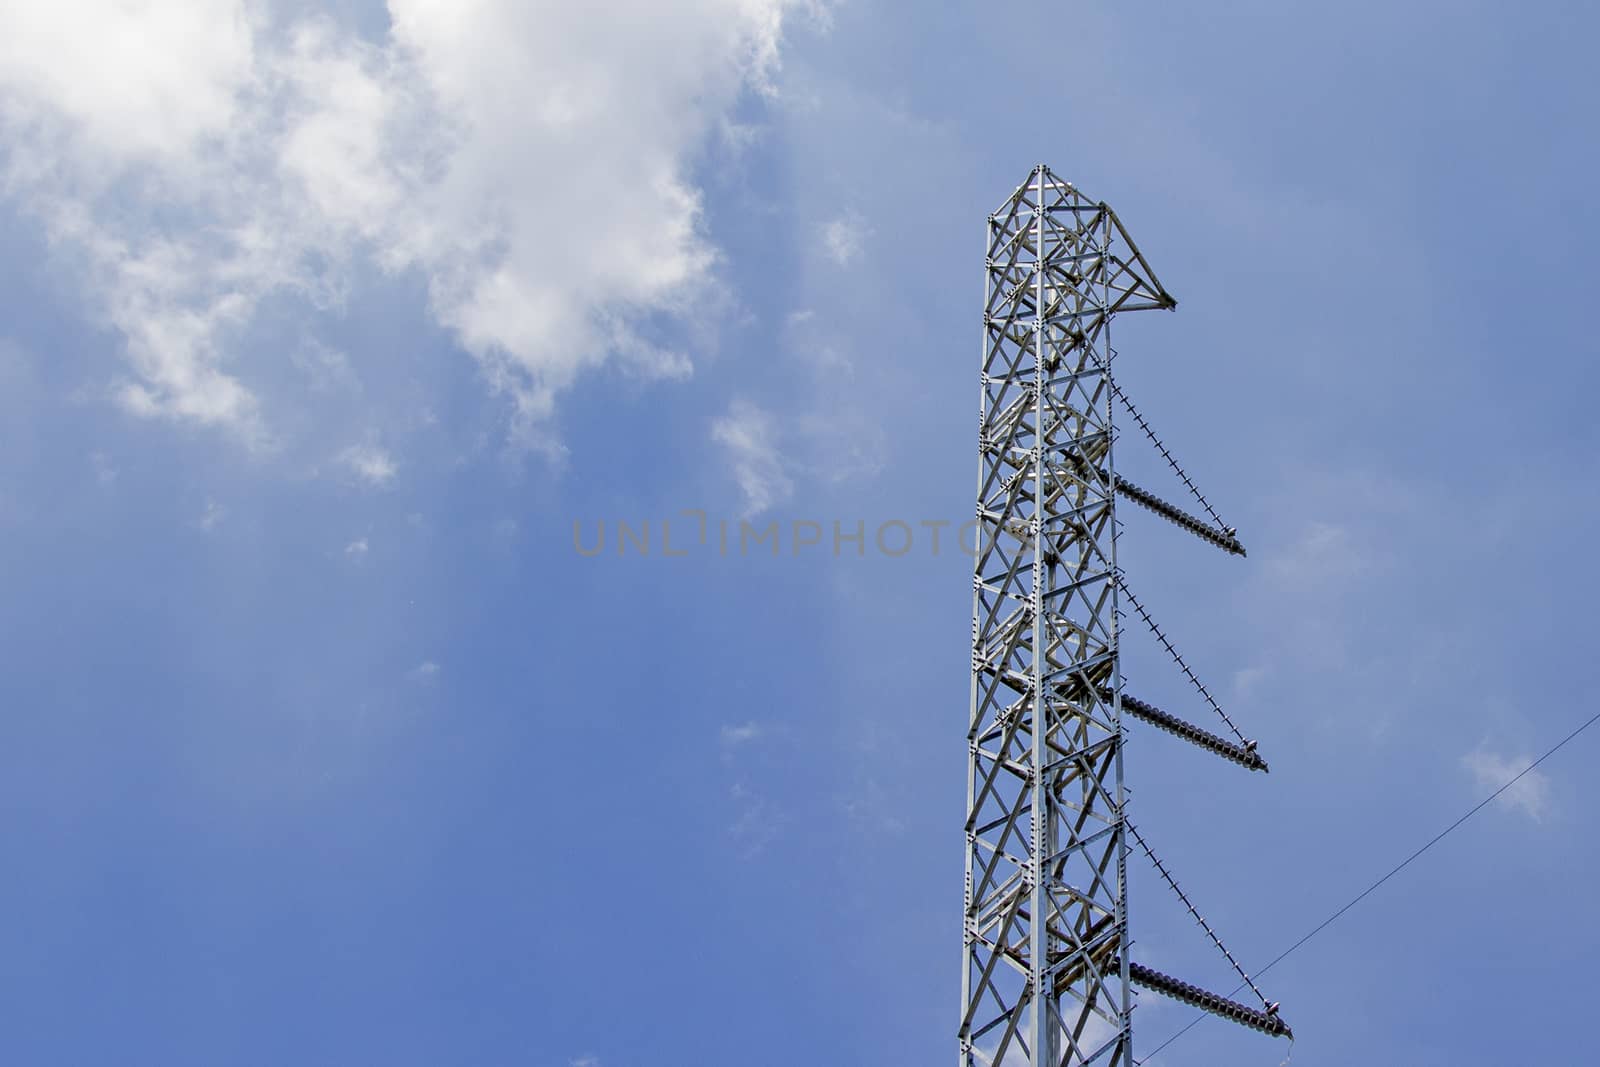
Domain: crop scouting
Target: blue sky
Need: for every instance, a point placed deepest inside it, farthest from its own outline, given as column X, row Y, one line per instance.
column 322, row 324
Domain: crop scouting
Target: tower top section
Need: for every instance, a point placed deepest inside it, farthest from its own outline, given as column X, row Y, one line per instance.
column 1049, row 223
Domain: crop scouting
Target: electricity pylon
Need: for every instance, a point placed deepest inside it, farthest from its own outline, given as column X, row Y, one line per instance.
column 1048, row 979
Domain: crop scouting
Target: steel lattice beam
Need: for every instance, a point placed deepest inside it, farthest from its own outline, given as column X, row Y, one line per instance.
column 1047, row 980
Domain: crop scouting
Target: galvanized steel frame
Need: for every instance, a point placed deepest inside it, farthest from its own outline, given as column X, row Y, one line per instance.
column 1046, row 977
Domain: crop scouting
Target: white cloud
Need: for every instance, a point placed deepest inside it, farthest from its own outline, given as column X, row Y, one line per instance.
column 369, row 463
column 136, row 80
column 735, row 735
column 1531, row 794
column 748, row 435
column 212, row 515
column 425, row 671
column 842, row 239
column 586, row 1061
column 531, row 158
column 356, row 549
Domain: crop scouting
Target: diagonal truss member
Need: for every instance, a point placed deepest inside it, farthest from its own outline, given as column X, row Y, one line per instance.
column 1047, row 979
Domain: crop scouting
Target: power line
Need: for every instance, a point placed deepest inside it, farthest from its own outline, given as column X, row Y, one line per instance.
column 1359, row 897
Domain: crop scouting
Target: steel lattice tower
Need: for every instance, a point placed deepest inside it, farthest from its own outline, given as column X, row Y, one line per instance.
column 1047, row 979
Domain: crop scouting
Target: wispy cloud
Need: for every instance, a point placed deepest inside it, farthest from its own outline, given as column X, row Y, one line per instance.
column 105, row 472
column 212, row 516
column 1246, row 679
column 356, row 549
column 326, row 369
column 749, row 437
column 843, row 239
column 1530, row 795
column 1323, row 554
column 754, row 826
column 742, row 747
column 741, row 734
column 370, row 464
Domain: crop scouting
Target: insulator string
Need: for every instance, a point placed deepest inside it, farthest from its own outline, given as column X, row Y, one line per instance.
column 1166, row 455
column 1172, row 883
column 1122, row 584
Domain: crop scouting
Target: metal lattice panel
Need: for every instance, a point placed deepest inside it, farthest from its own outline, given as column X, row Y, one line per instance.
column 1046, row 979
